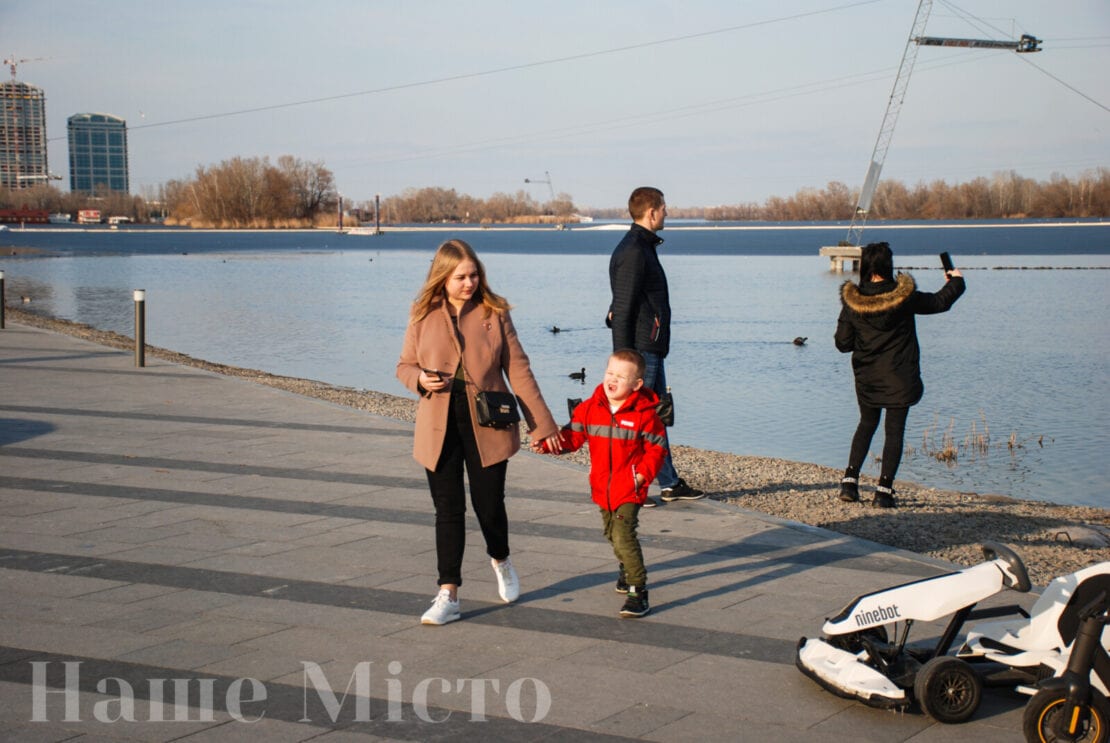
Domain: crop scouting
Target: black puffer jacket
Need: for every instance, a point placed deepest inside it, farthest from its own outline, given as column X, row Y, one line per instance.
column 641, row 307
column 877, row 326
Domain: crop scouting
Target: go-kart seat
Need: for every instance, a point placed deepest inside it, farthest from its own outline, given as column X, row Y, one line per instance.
column 1086, row 592
column 1053, row 620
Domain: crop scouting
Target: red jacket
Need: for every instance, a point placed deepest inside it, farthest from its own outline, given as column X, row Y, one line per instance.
column 622, row 445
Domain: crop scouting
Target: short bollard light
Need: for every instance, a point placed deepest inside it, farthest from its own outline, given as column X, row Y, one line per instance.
column 140, row 327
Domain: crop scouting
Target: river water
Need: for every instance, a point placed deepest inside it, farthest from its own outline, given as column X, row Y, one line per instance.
column 1016, row 374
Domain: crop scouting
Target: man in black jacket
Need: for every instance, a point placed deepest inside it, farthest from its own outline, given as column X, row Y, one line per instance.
column 640, row 313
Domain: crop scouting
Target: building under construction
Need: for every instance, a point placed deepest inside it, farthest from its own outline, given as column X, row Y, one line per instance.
column 22, row 135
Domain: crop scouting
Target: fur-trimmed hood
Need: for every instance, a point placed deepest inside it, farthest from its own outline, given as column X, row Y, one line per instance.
column 873, row 304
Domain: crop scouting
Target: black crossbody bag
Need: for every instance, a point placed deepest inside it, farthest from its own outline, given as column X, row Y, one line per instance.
column 496, row 409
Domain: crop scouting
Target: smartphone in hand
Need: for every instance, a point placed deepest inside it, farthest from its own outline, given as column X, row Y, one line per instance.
column 946, row 262
column 432, row 372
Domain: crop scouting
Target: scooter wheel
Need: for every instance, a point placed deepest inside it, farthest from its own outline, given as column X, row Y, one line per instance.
column 948, row 689
column 1043, row 721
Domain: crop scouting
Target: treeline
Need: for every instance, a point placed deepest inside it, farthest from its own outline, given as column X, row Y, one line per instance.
column 253, row 193
column 1002, row 196
column 49, row 198
column 433, row 205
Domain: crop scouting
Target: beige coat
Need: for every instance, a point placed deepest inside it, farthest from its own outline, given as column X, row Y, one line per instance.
column 492, row 351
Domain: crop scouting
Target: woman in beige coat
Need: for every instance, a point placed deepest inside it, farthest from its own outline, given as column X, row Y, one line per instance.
column 461, row 341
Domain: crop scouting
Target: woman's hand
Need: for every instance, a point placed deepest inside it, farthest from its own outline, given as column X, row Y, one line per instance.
column 432, row 382
column 554, row 443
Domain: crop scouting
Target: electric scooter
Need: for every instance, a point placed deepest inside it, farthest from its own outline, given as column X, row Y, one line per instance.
column 1069, row 707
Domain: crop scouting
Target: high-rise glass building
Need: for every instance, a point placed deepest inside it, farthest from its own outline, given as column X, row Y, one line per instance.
column 97, row 153
column 22, row 135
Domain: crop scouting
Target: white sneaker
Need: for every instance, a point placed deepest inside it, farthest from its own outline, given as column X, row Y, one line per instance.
column 443, row 609
column 508, row 585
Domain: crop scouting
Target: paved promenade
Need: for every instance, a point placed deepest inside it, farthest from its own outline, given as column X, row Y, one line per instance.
column 168, row 536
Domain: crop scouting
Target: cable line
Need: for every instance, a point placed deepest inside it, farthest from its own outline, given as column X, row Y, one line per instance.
column 966, row 16
column 500, row 70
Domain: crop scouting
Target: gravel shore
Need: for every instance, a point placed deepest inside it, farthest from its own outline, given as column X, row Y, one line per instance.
column 1052, row 539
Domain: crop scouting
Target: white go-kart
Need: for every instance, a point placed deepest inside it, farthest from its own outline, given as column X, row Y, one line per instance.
column 865, row 652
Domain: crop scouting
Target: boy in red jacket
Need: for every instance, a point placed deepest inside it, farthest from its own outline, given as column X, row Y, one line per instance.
column 627, row 447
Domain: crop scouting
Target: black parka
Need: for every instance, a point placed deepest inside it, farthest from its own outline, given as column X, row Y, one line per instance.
column 641, row 306
column 877, row 327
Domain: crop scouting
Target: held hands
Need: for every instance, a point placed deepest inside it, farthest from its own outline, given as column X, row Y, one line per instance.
column 952, row 273
column 552, row 444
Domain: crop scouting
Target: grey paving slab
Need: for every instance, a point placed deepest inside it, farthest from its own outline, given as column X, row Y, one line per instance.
column 170, row 523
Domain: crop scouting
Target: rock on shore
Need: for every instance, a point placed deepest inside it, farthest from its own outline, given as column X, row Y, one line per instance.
column 1051, row 539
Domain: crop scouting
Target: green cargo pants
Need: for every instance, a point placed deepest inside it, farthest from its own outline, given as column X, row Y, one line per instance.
column 620, row 529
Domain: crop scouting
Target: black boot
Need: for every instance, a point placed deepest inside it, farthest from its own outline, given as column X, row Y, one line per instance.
column 849, row 485
column 884, row 493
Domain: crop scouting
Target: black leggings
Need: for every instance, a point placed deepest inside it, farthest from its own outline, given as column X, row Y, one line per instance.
column 895, row 432
column 487, row 495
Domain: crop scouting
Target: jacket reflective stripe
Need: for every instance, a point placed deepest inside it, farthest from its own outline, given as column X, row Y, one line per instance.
column 616, row 432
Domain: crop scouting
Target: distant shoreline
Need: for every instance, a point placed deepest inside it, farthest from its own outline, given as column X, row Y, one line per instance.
column 575, row 227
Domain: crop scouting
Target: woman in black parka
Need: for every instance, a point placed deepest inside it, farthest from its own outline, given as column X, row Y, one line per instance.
column 877, row 326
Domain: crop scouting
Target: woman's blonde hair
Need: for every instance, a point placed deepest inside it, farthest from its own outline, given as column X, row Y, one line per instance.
column 447, row 258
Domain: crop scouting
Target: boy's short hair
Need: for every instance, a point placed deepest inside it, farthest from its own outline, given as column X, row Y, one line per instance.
column 642, row 199
column 632, row 356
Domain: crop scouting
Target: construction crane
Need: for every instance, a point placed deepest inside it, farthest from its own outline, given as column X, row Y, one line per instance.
column 12, row 62
column 546, row 179
column 1023, row 45
column 886, row 132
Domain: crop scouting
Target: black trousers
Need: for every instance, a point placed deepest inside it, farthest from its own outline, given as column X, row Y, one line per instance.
column 895, row 432
column 487, row 495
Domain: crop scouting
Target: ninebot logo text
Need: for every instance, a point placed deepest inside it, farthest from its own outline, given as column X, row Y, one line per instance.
column 882, row 614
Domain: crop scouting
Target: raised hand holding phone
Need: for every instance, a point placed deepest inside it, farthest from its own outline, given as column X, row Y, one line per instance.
column 946, row 262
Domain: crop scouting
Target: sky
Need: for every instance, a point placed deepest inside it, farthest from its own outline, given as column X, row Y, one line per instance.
column 713, row 101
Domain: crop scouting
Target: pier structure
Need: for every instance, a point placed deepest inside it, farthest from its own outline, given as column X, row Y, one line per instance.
column 839, row 255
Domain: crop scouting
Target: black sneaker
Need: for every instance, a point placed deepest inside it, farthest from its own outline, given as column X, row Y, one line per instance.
column 636, row 605
column 649, row 502
column 622, row 580
column 681, row 491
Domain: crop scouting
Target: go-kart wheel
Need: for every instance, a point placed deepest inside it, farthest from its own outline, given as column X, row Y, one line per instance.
column 948, row 689
column 1043, row 722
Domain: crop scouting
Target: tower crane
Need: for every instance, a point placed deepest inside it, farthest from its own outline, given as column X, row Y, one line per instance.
column 12, row 63
column 546, row 179
column 886, row 132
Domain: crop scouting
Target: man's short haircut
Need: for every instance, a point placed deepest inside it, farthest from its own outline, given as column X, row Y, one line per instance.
column 632, row 356
column 642, row 199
